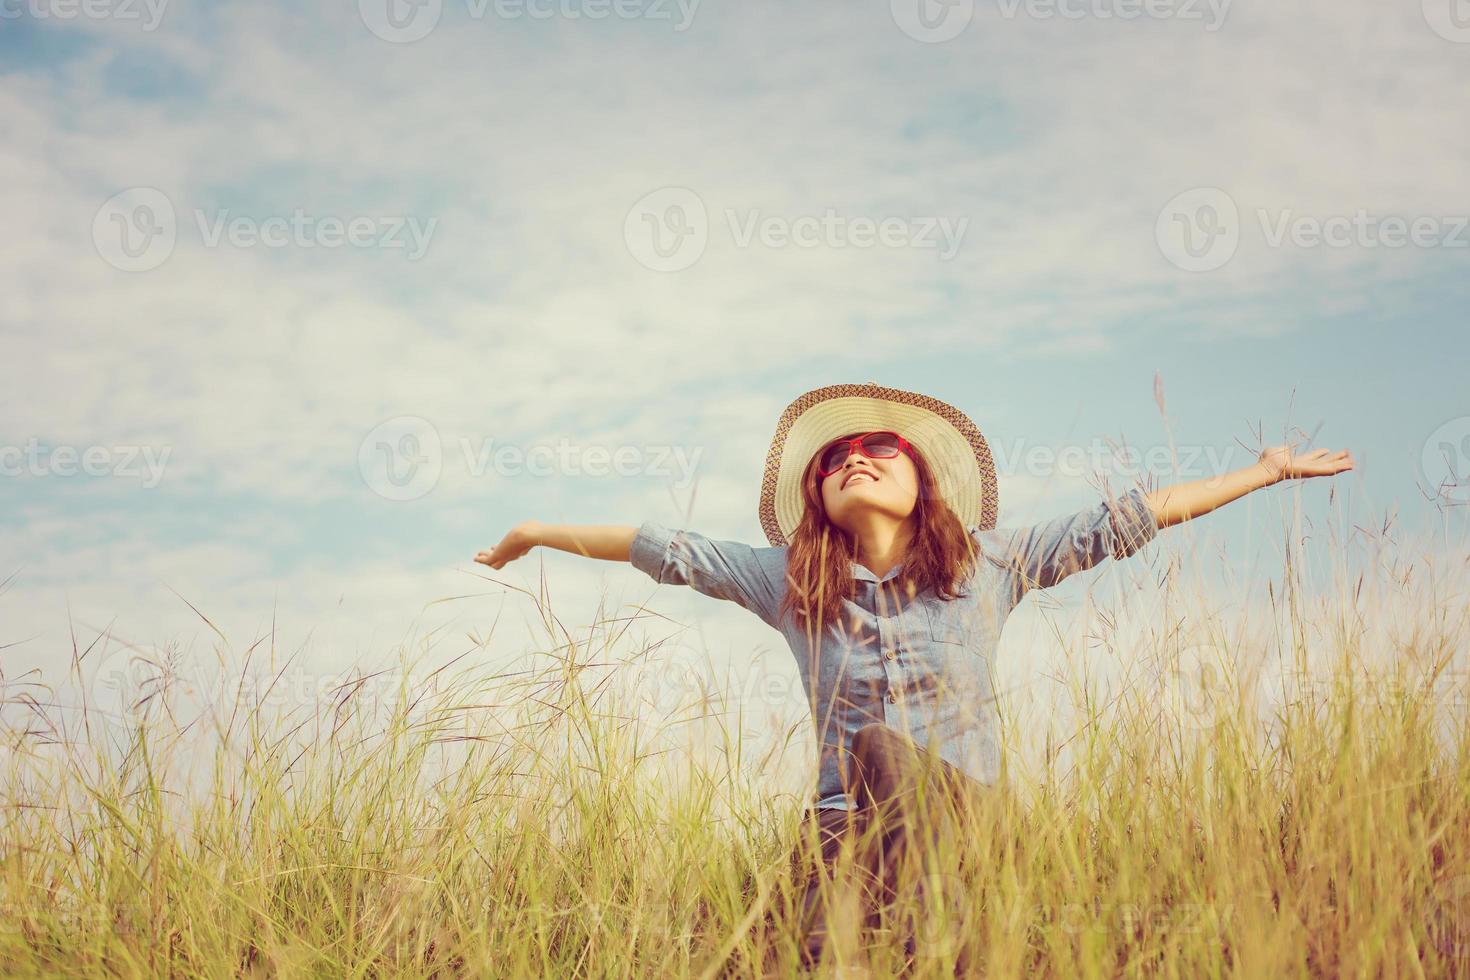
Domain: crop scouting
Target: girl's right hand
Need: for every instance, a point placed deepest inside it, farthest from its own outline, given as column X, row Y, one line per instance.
column 521, row 539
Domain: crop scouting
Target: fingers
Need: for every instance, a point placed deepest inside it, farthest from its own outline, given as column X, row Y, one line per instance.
column 1324, row 462
column 497, row 557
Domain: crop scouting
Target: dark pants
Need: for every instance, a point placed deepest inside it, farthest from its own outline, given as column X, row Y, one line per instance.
column 908, row 799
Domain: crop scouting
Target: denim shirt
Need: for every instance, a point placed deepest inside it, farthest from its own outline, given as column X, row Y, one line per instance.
column 922, row 665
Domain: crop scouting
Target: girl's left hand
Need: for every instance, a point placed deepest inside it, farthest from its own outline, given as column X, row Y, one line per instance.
column 1280, row 464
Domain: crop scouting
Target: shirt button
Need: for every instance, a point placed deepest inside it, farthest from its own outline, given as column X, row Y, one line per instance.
column 889, row 653
column 892, row 697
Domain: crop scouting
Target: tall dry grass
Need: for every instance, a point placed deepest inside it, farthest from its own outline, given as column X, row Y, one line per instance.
column 494, row 822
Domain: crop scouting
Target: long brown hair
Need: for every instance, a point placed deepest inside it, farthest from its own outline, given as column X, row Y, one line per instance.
column 818, row 562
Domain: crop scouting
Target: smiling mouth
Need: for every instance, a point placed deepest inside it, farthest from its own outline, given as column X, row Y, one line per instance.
column 860, row 473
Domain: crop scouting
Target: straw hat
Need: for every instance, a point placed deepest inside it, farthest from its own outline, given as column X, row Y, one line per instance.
column 950, row 443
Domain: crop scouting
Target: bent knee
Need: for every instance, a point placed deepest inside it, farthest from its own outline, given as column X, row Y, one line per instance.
column 873, row 736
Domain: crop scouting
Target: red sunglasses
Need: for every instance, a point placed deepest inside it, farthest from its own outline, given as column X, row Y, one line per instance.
column 874, row 445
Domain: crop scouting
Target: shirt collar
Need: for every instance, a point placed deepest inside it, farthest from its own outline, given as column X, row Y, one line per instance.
column 862, row 574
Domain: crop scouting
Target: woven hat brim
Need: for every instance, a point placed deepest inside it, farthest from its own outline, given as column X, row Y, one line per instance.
column 950, row 443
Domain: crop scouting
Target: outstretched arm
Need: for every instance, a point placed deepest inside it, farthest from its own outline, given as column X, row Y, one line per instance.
column 1181, row 501
column 607, row 541
column 722, row 569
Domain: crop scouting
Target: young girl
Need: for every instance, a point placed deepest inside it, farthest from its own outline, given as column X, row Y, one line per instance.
column 890, row 583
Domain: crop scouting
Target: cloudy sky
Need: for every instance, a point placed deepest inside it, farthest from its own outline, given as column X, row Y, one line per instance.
column 304, row 304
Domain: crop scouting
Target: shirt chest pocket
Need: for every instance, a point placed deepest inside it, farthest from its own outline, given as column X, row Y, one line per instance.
column 947, row 625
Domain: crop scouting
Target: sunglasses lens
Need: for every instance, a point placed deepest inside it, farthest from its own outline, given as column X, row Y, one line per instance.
column 882, row 444
column 834, row 456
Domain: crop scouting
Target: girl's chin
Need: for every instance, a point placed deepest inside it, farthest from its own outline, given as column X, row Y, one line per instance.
column 854, row 505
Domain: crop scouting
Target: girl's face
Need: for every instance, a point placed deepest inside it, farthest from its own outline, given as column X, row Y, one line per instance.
column 863, row 484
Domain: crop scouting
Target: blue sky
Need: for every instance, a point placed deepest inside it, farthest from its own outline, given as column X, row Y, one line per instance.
column 536, row 155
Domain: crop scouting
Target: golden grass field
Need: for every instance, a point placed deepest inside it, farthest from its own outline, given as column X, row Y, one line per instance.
column 409, row 837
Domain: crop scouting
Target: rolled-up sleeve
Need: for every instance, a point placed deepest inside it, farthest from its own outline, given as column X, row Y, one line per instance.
column 1044, row 554
column 723, row 569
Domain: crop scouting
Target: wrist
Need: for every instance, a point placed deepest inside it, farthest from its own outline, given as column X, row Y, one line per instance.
column 533, row 533
column 1264, row 476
